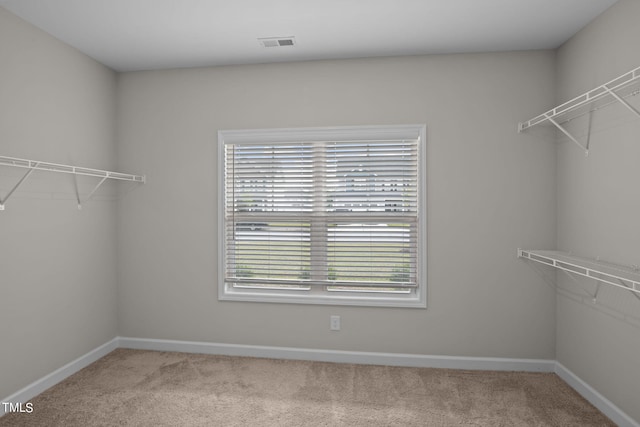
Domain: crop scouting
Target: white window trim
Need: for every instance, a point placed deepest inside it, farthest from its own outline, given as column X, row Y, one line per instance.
column 417, row 300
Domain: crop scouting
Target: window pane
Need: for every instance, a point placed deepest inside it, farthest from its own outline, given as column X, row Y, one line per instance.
column 381, row 253
column 371, row 176
column 268, row 250
column 270, row 178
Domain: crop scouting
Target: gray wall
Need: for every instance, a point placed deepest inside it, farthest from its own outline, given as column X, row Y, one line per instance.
column 490, row 191
column 57, row 264
column 598, row 206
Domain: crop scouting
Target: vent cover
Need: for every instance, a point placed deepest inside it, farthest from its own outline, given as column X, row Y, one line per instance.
column 277, row 41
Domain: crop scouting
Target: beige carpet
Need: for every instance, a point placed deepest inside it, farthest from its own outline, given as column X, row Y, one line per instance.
column 145, row 388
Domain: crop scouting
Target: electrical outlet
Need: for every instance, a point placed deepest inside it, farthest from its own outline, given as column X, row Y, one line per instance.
column 334, row 323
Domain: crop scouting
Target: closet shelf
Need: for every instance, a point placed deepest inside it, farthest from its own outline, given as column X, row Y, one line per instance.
column 617, row 90
column 623, row 277
column 33, row 165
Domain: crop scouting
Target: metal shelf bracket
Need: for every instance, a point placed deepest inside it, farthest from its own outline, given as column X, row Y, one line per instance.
column 15, row 187
column 566, row 132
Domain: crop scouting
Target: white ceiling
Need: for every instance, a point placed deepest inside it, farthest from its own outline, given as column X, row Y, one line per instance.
column 131, row 35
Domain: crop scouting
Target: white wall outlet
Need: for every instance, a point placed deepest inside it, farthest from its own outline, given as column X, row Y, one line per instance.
column 334, row 323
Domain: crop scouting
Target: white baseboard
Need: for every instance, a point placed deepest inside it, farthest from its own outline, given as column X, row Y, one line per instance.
column 60, row 374
column 337, row 356
column 614, row 413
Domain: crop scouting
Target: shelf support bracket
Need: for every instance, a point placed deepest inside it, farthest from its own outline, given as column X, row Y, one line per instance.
column 79, row 199
column 631, row 288
column 15, row 187
column 75, row 181
column 566, row 132
column 623, row 102
column 577, row 282
column 96, row 187
column 589, row 132
column 595, row 294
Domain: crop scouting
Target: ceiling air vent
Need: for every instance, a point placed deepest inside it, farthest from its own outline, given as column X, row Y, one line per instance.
column 277, row 41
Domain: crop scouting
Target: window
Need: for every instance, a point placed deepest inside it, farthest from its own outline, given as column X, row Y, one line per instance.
column 323, row 215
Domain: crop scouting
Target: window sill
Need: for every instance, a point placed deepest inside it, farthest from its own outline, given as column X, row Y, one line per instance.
column 414, row 301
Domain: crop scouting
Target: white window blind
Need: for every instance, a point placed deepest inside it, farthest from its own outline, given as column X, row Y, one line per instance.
column 333, row 217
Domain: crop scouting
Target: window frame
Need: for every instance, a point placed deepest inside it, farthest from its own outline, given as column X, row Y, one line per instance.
column 414, row 299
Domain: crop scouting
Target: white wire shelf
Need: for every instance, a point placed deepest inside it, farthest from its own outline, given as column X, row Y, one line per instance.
column 614, row 91
column 613, row 274
column 33, row 165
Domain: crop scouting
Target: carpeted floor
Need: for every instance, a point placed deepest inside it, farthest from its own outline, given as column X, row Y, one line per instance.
column 146, row 388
